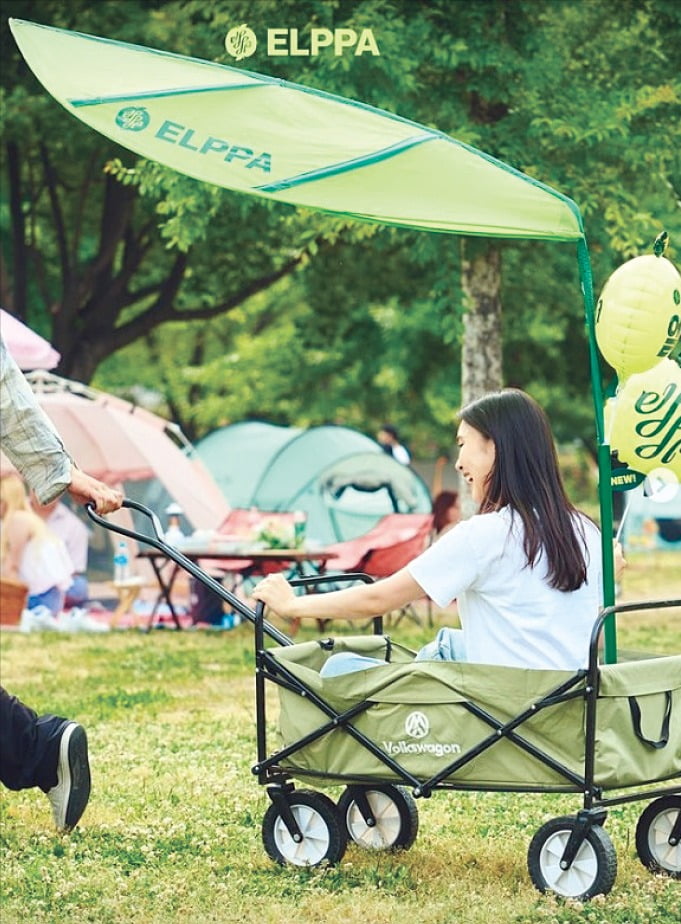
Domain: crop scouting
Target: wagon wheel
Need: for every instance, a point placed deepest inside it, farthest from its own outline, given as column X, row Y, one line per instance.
column 592, row 872
column 395, row 821
column 323, row 836
column 654, row 832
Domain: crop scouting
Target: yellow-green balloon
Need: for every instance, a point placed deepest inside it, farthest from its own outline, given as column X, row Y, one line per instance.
column 638, row 316
column 643, row 421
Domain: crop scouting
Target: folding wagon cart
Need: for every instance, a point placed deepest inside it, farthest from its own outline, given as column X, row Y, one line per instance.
column 406, row 729
column 423, row 727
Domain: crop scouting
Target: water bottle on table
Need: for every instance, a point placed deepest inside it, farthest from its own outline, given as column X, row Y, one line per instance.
column 121, row 563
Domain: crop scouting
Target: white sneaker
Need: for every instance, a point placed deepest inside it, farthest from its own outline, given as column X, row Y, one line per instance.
column 39, row 619
column 70, row 796
column 78, row 620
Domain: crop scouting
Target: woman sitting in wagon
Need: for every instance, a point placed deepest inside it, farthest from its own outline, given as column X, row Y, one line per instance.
column 525, row 571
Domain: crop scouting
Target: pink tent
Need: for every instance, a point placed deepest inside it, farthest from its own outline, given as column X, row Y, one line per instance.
column 116, row 441
column 30, row 350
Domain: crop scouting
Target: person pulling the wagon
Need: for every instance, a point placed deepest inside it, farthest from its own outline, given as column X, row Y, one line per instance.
column 525, row 570
column 48, row 752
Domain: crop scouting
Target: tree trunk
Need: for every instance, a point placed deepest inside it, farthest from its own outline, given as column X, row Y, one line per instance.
column 17, row 297
column 481, row 355
column 481, row 360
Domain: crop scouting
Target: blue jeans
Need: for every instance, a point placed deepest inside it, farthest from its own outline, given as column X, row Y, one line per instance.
column 448, row 645
column 78, row 592
column 53, row 599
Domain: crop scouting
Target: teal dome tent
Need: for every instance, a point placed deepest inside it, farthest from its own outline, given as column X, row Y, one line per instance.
column 339, row 477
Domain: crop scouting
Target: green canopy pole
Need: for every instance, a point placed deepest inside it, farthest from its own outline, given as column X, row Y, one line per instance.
column 604, row 465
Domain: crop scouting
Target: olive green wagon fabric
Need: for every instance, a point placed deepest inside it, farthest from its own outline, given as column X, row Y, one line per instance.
column 622, row 758
column 417, row 715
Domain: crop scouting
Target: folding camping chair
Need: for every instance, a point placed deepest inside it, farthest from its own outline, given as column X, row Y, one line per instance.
column 384, row 560
column 390, row 545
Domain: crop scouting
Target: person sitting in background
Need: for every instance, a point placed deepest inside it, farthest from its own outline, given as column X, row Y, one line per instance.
column 389, row 440
column 446, row 511
column 29, row 551
column 75, row 535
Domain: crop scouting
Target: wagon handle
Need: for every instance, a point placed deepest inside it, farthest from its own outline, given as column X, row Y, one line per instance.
column 155, row 540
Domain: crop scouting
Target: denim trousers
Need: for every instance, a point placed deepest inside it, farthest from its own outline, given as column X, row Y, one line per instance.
column 448, row 645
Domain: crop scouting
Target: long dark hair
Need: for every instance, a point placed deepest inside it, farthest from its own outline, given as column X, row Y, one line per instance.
column 526, row 477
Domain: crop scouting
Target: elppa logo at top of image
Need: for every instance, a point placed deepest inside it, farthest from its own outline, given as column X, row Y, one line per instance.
column 241, row 42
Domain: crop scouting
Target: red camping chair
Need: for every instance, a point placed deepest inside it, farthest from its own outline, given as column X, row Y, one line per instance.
column 390, row 545
column 384, row 560
column 391, row 530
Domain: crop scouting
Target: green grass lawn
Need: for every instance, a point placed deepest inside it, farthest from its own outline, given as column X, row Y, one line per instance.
column 173, row 829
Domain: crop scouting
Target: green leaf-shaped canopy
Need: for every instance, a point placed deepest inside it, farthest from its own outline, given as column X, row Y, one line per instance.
column 286, row 142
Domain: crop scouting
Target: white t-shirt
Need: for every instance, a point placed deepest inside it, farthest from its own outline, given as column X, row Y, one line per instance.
column 509, row 613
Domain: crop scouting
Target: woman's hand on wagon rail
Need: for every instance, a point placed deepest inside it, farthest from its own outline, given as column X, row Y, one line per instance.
column 276, row 593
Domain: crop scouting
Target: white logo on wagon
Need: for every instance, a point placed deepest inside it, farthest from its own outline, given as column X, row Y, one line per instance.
column 416, row 725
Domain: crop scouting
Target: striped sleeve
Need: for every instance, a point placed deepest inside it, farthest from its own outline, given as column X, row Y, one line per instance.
column 28, row 437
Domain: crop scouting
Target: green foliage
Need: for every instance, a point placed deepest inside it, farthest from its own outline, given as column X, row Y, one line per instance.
column 614, row 134
column 228, row 307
